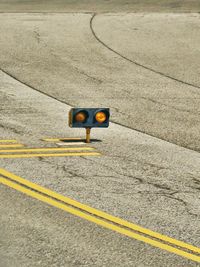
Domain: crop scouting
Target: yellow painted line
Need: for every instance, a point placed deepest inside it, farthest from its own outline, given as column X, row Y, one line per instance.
column 99, row 221
column 12, row 145
column 46, row 149
column 60, row 139
column 8, row 156
column 8, row 141
column 99, row 213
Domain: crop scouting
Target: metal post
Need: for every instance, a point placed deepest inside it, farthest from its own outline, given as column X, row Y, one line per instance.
column 88, row 135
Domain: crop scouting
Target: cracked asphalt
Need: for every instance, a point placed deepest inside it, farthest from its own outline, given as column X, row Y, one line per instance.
column 147, row 71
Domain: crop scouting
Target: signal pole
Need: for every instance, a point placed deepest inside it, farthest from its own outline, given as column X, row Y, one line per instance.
column 88, row 130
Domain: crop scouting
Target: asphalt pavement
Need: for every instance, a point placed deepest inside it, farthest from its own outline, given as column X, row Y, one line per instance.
column 144, row 169
column 63, row 56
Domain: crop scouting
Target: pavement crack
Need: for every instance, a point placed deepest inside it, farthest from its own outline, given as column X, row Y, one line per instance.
column 184, row 203
column 140, row 179
column 37, row 35
column 73, row 174
column 196, row 184
column 196, row 181
column 63, row 168
column 165, row 105
column 160, row 186
column 87, row 75
column 11, row 128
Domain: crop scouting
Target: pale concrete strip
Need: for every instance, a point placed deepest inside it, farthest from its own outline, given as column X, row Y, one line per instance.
column 61, row 139
column 70, row 143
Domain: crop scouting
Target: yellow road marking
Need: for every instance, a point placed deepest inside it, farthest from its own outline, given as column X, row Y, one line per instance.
column 8, row 141
column 12, row 145
column 99, row 213
column 8, row 156
column 60, row 139
column 46, row 149
column 99, row 221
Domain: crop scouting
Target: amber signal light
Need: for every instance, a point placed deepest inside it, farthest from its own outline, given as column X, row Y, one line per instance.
column 100, row 117
column 80, row 117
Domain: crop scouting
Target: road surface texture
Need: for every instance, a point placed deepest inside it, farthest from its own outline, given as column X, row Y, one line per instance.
column 63, row 56
column 100, row 6
column 142, row 61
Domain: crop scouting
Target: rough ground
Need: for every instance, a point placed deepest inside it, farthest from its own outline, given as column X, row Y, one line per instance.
column 100, row 6
column 145, row 67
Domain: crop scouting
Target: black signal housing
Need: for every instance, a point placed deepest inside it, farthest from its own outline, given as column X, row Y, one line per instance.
column 94, row 117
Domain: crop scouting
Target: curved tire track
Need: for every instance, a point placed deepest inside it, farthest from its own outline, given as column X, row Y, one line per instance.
column 127, row 59
column 135, row 62
column 64, row 102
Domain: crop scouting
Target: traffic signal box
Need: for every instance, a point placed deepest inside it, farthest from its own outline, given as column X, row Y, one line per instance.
column 89, row 117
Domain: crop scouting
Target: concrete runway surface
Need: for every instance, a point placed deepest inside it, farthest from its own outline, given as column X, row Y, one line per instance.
column 142, row 61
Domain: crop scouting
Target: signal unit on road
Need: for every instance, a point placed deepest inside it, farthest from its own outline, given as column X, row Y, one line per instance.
column 89, row 118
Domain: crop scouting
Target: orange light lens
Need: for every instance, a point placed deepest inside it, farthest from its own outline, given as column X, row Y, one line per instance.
column 80, row 117
column 100, row 117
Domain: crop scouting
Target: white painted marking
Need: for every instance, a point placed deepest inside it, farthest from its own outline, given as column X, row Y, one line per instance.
column 70, row 143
